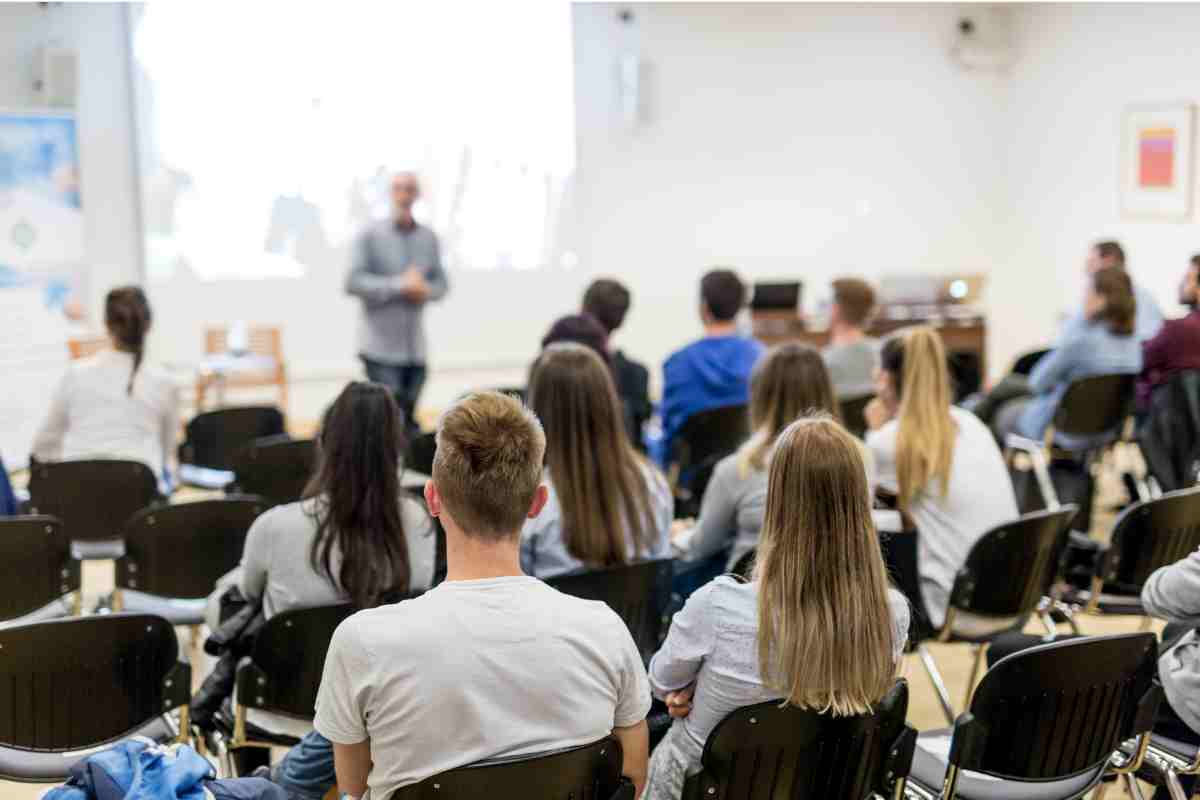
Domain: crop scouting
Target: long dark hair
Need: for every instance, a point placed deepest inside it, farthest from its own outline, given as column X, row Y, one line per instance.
column 127, row 317
column 356, row 485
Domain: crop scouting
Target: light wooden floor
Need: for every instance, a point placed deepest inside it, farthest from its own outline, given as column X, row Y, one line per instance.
column 924, row 710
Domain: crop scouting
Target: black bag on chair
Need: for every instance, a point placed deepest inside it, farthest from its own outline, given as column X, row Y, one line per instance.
column 241, row 621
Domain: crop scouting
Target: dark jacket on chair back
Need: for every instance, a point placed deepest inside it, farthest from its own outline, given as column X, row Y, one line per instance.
column 1170, row 434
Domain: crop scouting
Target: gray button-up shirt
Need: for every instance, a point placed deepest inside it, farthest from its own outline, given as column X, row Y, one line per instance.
column 391, row 330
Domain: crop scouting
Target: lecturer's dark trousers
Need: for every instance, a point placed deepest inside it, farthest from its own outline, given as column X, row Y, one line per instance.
column 405, row 381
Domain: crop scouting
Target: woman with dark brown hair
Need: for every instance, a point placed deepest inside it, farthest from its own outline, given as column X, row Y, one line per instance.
column 1104, row 344
column 111, row 405
column 608, row 506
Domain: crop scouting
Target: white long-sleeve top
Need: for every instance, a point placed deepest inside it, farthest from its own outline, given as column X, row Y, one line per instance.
column 92, row 415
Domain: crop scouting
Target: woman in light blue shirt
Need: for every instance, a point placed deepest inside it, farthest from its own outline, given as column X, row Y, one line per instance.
column 1104, row 345
column 607, row 506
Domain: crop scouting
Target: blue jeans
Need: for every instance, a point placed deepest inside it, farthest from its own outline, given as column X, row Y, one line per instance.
column 306, row 772
column 405, row 381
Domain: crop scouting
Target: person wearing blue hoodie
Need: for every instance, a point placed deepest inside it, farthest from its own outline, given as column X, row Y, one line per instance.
column 714, row 371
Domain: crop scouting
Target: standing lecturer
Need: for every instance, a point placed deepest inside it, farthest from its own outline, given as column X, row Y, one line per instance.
column 397, row 270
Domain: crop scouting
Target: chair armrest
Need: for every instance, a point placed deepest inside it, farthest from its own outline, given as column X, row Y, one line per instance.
column 1023, row 443
column 625, row 790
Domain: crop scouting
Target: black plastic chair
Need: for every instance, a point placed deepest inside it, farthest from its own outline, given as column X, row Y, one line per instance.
column 1146, row 536
column 1168, row 759
column 213, row 438
column 770, row 751
column 1095, row 408
column 744, row 568
column 591, row 772
column 75, row 684
column 174, row 554
column 1046, row 723
column 93, row 499
column 705, row 438
column 853, row 411
column 639, row 593
column 1027, row 361
column 275, row 468
column 420, row 453
column 1005, row 580
column 35, row 551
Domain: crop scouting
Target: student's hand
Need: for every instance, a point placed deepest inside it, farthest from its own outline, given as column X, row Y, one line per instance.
column 679, row 704
column 876, row 414
column 681, row 526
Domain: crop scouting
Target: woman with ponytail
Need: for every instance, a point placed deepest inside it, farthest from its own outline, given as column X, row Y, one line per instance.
column 939, row 461
column 111, row 405
column 817, row 626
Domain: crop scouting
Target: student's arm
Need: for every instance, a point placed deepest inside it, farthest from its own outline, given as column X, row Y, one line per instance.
column 435, row 276
column 635, row 749
column 256, row 557
column 718, row 512
column 1173, row 592
column 48, row 441
column 690, row 639
column 169, row 435
column 1054, row 367
column 364, row 284
column 352, row 763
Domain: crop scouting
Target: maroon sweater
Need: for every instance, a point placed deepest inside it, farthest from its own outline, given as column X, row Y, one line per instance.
column 1175, row 348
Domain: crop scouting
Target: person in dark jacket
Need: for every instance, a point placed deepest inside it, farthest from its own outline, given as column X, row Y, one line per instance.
column 1176, row 346
column 608, row 301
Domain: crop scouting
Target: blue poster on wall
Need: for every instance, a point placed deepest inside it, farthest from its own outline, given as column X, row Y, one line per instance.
column 41, row 213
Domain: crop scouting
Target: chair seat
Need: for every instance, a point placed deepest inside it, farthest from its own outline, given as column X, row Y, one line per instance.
column 929, row 771
column 1184, row 751
column 29, row 766
column 283, row 732
column 968, row 627
column 97, row 550
column 175, row 610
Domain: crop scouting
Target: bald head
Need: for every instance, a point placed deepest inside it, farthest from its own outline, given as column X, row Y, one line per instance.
column 406, row 188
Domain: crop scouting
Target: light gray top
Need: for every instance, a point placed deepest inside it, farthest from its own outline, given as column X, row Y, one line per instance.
column 1173, row 593
column 713, row 642
column 391, row 329
column 852, row 367
column 979, row 497
column 475, row 670
column 544, row 553
column 275, row 561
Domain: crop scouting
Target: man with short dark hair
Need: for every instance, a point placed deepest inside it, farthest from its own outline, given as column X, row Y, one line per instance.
column 715, row 370
column 851, row 356
column 491, row 663
column 1109, row 253
column 608, row 302
column 1176, row 346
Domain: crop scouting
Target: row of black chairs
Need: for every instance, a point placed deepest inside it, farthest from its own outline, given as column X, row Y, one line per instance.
column 1048, row 722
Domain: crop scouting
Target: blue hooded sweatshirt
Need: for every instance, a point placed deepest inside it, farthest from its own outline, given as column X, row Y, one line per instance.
column 709, row 373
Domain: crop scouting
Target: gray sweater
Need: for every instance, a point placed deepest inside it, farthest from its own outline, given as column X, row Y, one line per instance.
column 1173, row 593
column 391, row 330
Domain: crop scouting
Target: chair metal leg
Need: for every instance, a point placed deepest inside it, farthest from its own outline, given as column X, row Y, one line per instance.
column 939, row 685
column 980, row 652
column 1048, row 623
column 1041, row 470
column 1174, row 788
column 1131, row 786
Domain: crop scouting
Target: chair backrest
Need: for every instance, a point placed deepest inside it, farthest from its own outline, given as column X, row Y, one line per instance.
column 1095, row 405
column 1060, row 709
column 1152, row 534
column 773, row 752
column 745, row 565
column 853, row 410
column 1027, row 361
column 1011, row 567
column 263, row 340
column 214, row 437
column 420, row 453
column 92, row 498
column 639, row 593
column 714, row 432
column 36, row 549
column 276, row 468
column 84, row 346
column 590, row 772
column 287, row 659
column 75, row 683
column 180, row 550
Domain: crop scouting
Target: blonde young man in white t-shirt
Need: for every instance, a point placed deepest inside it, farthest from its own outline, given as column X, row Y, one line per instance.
column 491, row 663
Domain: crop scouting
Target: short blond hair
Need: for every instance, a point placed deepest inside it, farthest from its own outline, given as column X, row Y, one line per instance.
column 489, row 464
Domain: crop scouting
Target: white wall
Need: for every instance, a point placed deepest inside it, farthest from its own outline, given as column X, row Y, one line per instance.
column 787, row 140
column 1079, row 67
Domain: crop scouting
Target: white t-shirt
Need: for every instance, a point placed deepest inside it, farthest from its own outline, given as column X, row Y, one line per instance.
column 93, row 414
column 474, row 670
column 978, row 498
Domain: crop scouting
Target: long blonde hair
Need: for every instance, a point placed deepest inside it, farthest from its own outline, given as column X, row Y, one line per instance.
column 825, row 634
column 791, row 380
column 916, row 360
column 598, row 476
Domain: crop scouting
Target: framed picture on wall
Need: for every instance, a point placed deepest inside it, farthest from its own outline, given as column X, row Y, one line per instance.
column 1156, row 162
